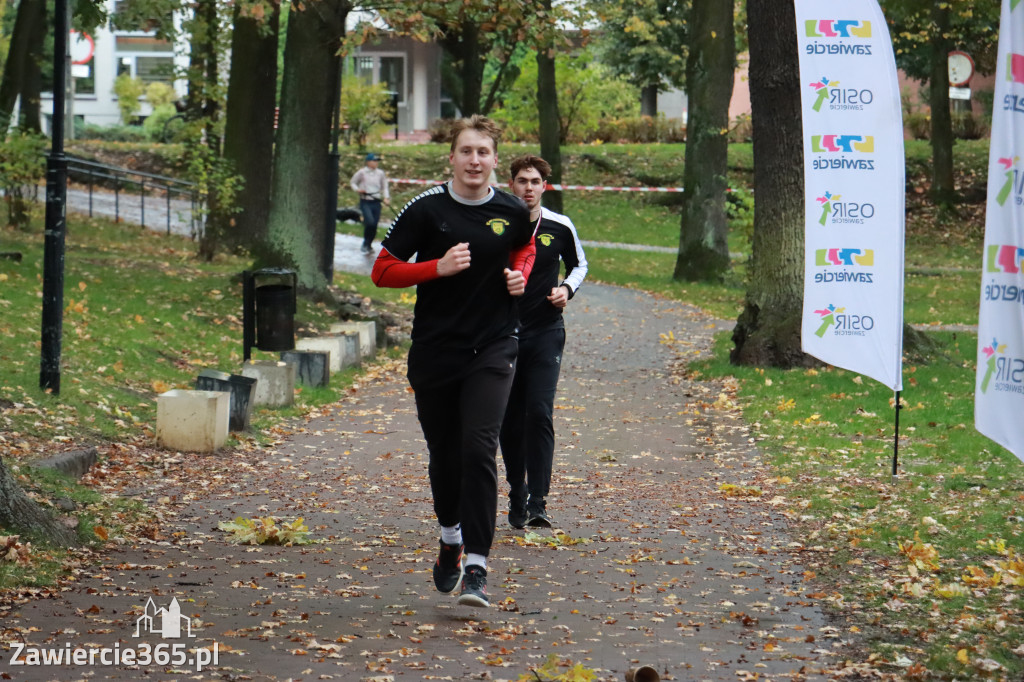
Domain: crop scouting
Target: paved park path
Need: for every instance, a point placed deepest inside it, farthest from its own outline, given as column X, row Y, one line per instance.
column 651, row 560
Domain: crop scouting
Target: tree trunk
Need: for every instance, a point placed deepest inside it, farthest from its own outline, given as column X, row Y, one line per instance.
column 943, row 190
column 703, row 248
column 462, row 44
column 649, row 100
column 26, row 48
column 204, row 66
column 767, row 332
column 548, row 121
column 249, row 128
column 21, row 515
column 298, row 202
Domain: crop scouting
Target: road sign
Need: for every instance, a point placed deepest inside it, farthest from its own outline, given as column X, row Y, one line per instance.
column 81, row 47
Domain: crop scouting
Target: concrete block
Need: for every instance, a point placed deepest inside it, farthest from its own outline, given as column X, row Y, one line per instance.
column 332, row 345
column 312, row 367
column 192, row 421
column 367, row 334
column 338, row 345
column 353, row 349
column 241, row 389
column 275, row 382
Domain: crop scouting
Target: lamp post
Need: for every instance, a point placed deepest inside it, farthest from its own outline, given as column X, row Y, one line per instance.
column 56, row 212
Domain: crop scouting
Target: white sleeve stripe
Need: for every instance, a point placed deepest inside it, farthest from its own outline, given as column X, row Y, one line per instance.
column 575, row 278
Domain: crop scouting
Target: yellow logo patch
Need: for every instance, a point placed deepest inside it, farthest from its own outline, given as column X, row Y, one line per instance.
column 545, row 239
column 497, row 225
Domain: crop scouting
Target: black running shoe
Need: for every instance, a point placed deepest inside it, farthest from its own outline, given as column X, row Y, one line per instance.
column 474, row 587
column 448, row 568
column 536, row 514
column 517, row 510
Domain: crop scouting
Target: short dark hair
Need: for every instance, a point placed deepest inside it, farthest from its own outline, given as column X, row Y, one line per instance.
column 520, row 163
column 480, row 124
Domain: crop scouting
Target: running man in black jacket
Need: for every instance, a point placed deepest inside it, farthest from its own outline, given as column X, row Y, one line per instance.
column 474, row 250
column 527, row 434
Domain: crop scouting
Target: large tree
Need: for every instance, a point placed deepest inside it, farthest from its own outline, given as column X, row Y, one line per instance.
column 249, row 125
column 646, row 41
column 297, row 230
column 20, row 514
column 703, row 248
column 767, row 332
column 923, row 33
column 21, row 75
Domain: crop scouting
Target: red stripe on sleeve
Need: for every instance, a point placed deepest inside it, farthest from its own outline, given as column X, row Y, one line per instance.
column 394, row 273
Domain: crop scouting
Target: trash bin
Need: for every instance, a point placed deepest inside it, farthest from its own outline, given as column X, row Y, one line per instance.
column 268, row 316
column 241, row 388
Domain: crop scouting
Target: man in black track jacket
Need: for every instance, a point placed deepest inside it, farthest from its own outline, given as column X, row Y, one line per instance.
column 527, row 434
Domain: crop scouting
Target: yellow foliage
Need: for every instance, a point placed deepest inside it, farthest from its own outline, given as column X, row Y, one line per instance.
column 922, row 555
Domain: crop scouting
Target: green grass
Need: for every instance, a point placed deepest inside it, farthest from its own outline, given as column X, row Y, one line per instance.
column 827, row 433
column 829, row 437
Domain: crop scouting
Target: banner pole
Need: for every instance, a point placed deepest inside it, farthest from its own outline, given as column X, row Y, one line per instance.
column 896, row 440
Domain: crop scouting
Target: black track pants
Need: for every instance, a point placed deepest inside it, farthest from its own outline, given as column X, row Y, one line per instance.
column 460, row 401
column 528, row 434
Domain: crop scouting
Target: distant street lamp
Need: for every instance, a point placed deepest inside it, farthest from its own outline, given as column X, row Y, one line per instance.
column 56, row 213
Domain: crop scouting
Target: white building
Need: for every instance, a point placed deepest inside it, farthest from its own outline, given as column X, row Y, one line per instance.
column 103, row 57
column 409, row 68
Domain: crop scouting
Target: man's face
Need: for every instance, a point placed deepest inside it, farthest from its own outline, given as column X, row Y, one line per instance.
column 373, row 164
column 472, row 161
column 528, row 185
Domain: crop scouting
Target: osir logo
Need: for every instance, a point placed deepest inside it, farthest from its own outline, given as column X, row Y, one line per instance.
column 1006, row 371
column 842, row 323
column 497, row 225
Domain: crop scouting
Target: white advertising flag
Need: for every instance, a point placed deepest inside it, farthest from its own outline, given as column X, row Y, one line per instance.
column 853, row 189
column 999, row 388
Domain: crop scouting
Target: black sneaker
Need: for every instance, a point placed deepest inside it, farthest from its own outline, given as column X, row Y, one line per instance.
column 366, row 249
column 536, row 515
column 517, row 510
column 474, row 587
column 448, row 568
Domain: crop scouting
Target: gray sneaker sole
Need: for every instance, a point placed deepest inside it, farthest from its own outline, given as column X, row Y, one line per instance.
column 473, row 600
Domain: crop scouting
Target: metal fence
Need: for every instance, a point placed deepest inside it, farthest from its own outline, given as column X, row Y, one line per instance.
column 95, row 175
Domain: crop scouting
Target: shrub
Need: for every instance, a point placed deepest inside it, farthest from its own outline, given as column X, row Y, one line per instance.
column 158, row 94
column 155, row 123
column 115, row 133
column 364, row 108
column 742, row 129
column 128, row 91
column 639, row 129
column 22, row 166
column 969, row 126
column 919, row 125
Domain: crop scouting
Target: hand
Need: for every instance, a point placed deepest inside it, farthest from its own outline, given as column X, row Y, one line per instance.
column 454, row 261
column 559, row 296
column 387, row 201
column 515, row 282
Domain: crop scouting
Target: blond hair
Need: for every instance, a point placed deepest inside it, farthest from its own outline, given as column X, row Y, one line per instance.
column 480, row 124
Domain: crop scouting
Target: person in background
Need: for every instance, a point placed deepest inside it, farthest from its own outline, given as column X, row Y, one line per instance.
column 527, row 434
column 372, row 185
column 474, row 251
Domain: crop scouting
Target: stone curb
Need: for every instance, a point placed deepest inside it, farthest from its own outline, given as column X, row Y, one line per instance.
column 74, row 463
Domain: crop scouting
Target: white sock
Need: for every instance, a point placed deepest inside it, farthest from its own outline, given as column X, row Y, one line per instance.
column 476, row 560
column 452, row 535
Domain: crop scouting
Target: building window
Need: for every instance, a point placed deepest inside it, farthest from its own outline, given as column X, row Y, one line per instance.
column 392, row 73
column 147, row 58
column 389, row 70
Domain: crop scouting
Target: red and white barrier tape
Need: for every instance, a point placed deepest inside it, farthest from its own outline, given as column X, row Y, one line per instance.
column 589, row 188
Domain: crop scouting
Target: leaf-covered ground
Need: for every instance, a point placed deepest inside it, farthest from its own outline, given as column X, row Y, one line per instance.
column 669, row 547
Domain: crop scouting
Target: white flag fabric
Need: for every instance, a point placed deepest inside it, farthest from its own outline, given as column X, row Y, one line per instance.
column 999, row 389
column 854, row 189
